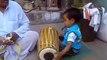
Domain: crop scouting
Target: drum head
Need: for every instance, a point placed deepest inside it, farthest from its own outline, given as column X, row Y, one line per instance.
column 47, row 54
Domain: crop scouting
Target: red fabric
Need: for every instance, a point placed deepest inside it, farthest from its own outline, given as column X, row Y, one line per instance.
column 87, row 14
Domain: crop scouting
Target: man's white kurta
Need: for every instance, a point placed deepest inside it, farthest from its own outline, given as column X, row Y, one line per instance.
column 13, row 19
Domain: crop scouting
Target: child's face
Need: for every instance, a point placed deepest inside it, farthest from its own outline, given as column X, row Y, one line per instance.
column 67, row 22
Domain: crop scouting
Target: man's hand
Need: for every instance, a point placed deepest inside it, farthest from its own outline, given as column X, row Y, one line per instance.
column 2, row 40
column 10, row 38
column 13, row 36
column 6, row 41
column 9, row 42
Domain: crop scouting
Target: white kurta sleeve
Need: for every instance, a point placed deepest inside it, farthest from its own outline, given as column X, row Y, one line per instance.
column 23, row 22
column 71, row 37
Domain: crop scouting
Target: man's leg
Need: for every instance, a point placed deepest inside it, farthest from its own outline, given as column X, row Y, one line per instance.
column 28, row 42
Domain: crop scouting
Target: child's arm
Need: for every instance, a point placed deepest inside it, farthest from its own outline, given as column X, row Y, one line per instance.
column 70, row 40
column 64, row 51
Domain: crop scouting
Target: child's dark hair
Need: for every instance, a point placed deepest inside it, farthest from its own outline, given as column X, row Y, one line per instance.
column 73, row 13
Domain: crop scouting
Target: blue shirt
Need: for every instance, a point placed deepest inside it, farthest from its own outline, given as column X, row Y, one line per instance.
column 13, row 19
column 73, row 29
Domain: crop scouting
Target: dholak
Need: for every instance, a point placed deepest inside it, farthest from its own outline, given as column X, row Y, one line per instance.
column 48, row 43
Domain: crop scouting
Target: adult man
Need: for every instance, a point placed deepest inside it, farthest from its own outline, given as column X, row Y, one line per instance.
column 13, row 21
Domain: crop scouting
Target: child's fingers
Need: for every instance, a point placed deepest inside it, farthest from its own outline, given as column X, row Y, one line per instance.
column 55, row 55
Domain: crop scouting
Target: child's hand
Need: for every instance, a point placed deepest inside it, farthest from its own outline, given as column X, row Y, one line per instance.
column 57, row 56
column 60, row 33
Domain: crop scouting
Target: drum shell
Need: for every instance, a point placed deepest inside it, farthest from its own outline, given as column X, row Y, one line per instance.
column 48, row 40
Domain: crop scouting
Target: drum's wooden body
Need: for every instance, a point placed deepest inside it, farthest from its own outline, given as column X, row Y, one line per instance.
column 48, row 43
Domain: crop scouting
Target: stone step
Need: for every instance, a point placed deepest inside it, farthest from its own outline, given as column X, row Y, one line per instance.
column 44, row 17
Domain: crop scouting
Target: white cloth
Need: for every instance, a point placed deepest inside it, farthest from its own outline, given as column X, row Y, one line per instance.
column 71, row 37
column 103, row 10
column 86, row 7
column 95, row 18
column 102, row 33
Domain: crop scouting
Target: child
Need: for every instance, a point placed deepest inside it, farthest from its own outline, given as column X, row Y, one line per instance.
column 72, row 35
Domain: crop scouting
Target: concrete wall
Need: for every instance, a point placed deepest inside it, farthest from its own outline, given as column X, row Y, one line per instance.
column 100, row 3
column 44, row 17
